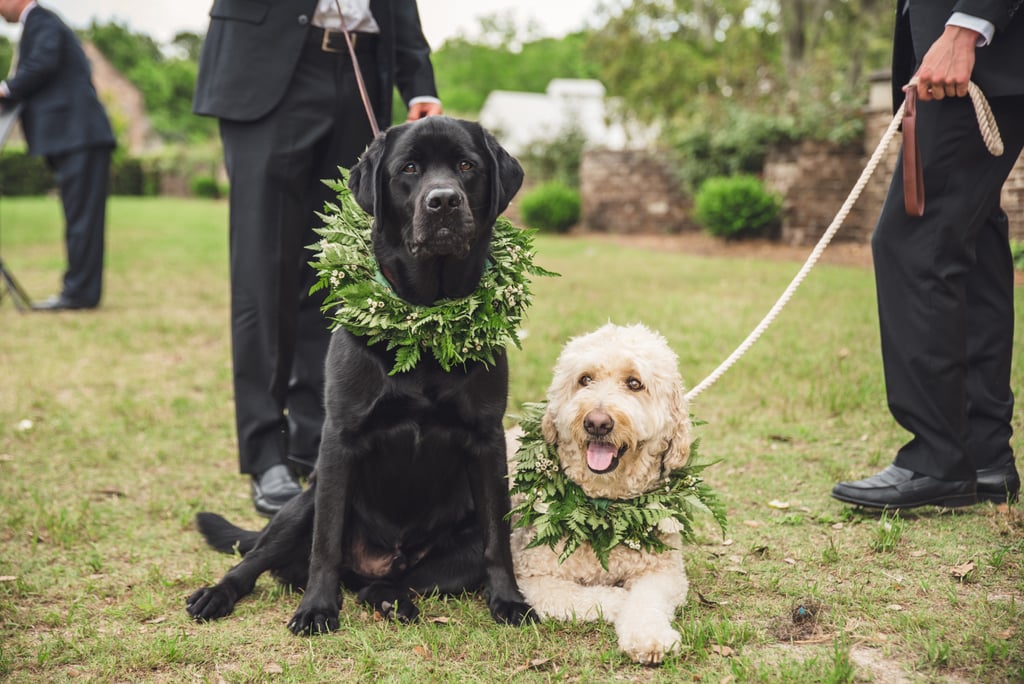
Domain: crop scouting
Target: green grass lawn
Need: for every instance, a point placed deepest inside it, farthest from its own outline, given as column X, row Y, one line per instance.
column 116, row 427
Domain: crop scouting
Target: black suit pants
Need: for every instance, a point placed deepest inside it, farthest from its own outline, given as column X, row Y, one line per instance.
column 945, row 295
column 279, row 335
column 83, row 178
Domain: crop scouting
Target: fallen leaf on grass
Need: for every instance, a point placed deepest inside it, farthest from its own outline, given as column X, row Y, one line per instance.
column 723, row 651
column 8, row 578
column 780, row 505
column 1006, row 634
column 421, row 651
column 439, row 620
column 894, row 606
column 963, row 570
column 535, row 664
column 156, row 621
column 273, row 668
column 751, row 523
column 6, row 458
column 790, row 561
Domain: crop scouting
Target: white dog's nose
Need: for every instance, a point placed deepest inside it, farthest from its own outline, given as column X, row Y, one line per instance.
column 598, row 423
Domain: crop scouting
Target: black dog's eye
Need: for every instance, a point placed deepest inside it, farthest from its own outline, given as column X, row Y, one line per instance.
column 410, row 168
column 466, row 165
column 634, row 385
column 585, row 380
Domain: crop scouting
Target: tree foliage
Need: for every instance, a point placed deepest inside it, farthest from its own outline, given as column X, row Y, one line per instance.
column 166, row 82
column 685, row 62
column 467, row 71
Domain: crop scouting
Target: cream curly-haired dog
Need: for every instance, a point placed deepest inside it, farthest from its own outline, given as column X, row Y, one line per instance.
column 617, row 413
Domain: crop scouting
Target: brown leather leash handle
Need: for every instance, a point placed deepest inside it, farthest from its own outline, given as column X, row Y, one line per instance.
column 913, row 176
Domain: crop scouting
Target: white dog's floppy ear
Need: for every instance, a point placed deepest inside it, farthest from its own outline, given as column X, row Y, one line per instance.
column 679, row 450
column 367, row 176
column 547, row 426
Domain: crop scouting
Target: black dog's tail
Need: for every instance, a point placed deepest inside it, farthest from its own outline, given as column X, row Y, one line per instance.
column 225, row 536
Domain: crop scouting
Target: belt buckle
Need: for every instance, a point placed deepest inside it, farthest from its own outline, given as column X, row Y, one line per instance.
column 325, row 42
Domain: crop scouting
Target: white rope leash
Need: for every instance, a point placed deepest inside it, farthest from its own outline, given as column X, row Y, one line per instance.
column 994, row 143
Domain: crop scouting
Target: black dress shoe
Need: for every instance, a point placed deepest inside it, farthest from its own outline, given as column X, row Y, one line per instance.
column 999, row 483
column 60, row 303
column 273, row 488
column 897, row 487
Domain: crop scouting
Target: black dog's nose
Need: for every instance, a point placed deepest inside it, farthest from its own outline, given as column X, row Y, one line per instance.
column 443, row 200
column 598, row 423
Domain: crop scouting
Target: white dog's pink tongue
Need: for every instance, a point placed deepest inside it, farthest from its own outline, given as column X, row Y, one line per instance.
column 600, row 456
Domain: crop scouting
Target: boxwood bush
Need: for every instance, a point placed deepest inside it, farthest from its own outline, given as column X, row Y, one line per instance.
column 736, row 207
column 1017, row 249
column 552, row 207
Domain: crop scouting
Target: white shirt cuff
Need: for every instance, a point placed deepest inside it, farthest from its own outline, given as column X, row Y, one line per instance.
column 424, row 98
column 986, row 28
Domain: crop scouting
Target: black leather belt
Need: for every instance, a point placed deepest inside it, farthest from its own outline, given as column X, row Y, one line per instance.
column 333, row 40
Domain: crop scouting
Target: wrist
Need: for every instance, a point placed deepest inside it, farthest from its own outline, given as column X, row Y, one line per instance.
column 962, row 36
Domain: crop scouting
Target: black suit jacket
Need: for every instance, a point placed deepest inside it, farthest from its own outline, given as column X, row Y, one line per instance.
column 61, row 111
column 999, row 66
column 252, row 47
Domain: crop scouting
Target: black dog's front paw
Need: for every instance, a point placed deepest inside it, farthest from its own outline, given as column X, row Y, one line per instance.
column 310, row 620
column 390, row 602
column 209, row 603
column 513, row 613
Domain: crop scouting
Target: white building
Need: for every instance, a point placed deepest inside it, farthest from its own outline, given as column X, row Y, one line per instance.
column 519, row 119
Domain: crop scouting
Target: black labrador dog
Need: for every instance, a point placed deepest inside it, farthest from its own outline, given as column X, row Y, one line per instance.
column 409, row 493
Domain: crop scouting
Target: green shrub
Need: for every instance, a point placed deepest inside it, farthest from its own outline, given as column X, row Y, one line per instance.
column 21, row 174
column 552, row 207
column 205, row 186
column 1017, row 249
column 736, row 206
column 557, row 159
column 133, row 176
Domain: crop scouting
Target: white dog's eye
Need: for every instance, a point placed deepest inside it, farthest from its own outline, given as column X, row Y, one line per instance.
column 585, row 380
column 634, row 385
column 410, row 168
column 466, row 165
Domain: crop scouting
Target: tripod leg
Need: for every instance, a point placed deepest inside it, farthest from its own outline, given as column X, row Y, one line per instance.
column 18, row 294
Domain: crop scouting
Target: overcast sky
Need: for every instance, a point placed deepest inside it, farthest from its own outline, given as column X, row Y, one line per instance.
column 442, row 19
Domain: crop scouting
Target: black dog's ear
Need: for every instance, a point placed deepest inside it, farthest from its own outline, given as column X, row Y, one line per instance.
column 367, row 176
column 507, row 177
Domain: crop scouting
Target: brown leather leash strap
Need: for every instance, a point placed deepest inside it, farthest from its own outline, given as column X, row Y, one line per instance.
column 359, row 73
column 913, row 176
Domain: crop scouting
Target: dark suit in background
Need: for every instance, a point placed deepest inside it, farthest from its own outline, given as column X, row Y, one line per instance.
column 290, row 114
column 64, row 121
column 945, row 280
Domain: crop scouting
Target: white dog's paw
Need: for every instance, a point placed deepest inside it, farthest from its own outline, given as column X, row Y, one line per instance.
column 649, row 647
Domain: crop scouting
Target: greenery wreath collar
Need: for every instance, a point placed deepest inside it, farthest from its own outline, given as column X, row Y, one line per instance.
column 455, row 331
column 560, row 511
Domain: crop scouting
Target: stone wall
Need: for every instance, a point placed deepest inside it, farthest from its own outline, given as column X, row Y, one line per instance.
column 631, row 191
column 636, row 191
column 816, row 178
